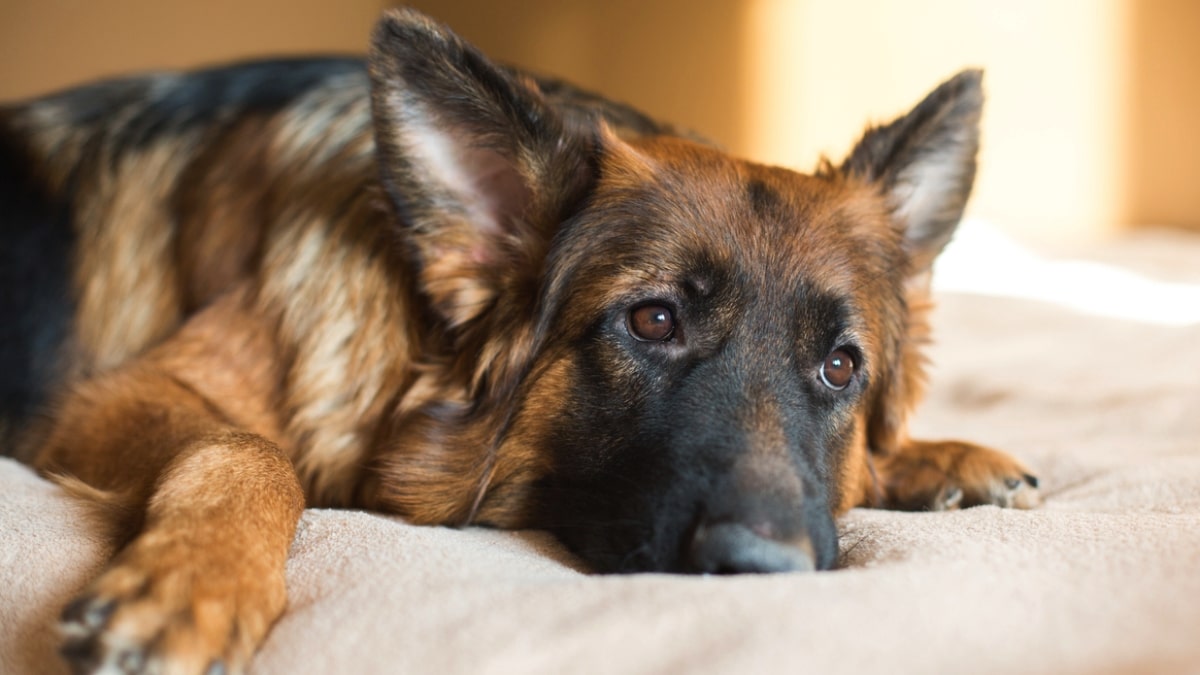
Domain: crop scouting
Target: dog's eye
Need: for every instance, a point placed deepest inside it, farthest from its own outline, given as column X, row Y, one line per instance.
column 652, row 323
column 837, row 369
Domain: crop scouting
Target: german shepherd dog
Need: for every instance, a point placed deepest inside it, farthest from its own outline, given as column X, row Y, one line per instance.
column 437, row 287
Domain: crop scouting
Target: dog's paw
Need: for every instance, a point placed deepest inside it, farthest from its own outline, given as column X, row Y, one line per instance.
column 947, row 475
column 167, row 609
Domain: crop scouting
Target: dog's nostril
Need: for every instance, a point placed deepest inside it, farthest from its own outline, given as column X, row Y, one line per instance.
column 733, row 548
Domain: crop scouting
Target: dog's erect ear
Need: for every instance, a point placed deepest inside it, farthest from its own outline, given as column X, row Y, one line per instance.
column 478, row 166
column 925, row 162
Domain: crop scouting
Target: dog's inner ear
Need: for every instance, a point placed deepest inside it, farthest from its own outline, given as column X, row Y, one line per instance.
column 479, row 182
column 925, row 163
column 479, row 167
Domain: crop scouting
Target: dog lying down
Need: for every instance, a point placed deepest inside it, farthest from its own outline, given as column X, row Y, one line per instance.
column 432, row 286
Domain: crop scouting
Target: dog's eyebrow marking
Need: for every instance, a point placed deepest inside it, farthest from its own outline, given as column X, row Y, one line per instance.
column 764, row 200
column 699, row 286
column 824, row 320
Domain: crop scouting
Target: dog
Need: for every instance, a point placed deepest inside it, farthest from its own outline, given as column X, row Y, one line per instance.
column 433, row 286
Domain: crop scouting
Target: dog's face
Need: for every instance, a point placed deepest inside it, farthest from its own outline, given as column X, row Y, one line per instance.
column 688, row 355
column 717, row 327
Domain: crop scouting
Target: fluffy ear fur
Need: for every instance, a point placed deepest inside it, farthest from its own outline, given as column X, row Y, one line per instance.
column 925, row 162
column 477, row 165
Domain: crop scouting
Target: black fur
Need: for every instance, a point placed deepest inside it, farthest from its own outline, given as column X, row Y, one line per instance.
column 174, row 104
column 667, row 427
column 764, row 201
column 36, row 239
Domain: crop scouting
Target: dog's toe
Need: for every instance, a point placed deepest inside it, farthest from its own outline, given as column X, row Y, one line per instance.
column 1006, row 491
column 948, row 498
column 86, row 614
column 159, row 610
column 135, row 635
column 1019, row 493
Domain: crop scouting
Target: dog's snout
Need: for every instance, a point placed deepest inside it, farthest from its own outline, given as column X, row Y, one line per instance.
column 735, row 548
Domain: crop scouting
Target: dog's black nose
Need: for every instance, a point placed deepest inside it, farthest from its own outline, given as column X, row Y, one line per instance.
column 733, row 548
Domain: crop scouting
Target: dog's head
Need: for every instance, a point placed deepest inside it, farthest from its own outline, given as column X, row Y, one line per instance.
column 680, row 360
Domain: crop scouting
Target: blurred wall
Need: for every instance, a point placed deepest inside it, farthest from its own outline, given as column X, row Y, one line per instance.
column 682, row 60
column 1163, row 136
column 1090, row 124
column 1051, row 163
column 48, row 44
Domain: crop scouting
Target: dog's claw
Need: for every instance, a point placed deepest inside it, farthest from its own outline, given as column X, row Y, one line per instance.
column 131, row 661
column 1018, row 493
column 950, row 499
column 88, row 613
column 81, row 622
column 139, row 619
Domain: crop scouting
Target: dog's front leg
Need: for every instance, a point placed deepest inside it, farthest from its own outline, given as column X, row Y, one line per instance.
column 209, row 509
column 944, row 475
column 198, row 588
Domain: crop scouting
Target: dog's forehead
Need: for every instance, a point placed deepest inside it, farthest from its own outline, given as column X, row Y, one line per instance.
column 675, row 208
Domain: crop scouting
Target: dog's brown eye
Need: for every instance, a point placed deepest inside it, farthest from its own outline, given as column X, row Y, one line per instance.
column 837, row 369
column 653, row 323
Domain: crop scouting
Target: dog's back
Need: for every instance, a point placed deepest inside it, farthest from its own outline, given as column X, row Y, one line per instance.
column 127, row 205
column 101, row 189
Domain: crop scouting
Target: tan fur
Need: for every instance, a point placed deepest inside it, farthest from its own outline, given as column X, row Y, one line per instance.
column 128, row 292
column 858, row 484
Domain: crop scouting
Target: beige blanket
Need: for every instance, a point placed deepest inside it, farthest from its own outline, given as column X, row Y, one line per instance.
column 1104, row 578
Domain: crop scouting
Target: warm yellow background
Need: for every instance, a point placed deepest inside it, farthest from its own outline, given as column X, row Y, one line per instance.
column 1091, row 123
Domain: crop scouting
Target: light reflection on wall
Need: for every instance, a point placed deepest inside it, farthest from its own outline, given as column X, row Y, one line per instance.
column 1053, row 160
